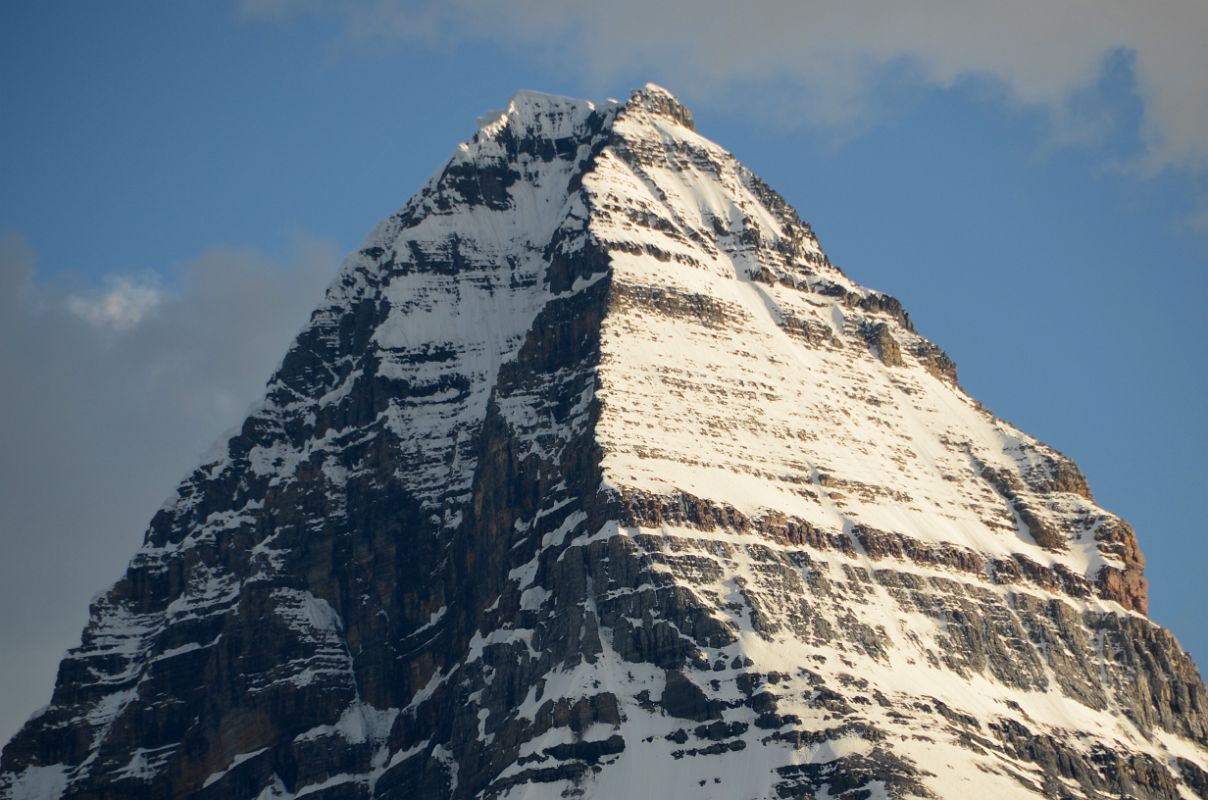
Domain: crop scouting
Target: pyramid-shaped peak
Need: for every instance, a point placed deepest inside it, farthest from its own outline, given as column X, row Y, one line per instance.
column 593, row 477
column 553, row 114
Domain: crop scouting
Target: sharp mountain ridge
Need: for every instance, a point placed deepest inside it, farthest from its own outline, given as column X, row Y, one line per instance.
column 593, row 477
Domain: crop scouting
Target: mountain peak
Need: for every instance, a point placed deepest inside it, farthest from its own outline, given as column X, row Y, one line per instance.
column 592, row 476
column 541, row 113
column 657, row 100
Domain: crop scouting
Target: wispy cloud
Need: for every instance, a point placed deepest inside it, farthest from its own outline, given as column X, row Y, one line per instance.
column 99, row 428
column 831, row 57
column 124, row 302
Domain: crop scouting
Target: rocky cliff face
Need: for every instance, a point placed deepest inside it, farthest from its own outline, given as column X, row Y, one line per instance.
column 593, row 477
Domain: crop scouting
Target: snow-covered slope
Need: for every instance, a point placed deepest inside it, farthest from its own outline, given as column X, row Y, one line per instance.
column 593, row 477
column 785, row 394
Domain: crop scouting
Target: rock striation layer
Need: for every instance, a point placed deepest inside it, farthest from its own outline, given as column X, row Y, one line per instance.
column 593, row 477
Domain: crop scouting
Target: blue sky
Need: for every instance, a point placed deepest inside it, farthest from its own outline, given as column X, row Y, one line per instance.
column 178, row 181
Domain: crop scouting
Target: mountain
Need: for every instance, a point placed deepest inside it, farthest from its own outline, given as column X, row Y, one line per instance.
column 593, row 477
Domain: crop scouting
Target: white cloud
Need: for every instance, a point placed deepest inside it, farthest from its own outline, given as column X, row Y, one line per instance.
column 99, row 429
column 831, row 56
column 123, row 303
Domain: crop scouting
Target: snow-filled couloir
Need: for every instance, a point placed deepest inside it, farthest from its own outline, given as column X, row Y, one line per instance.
column 593, row 477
